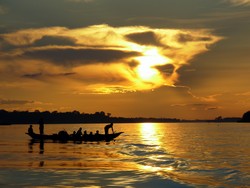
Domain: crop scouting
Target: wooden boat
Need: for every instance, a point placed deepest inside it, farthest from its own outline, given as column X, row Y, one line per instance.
column 64, row 136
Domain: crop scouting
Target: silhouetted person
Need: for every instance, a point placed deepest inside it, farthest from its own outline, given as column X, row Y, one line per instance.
column 85, row 133
column 107, row 127
column 97, row 133
column 91, row 136
column 30, row 130
column 41, row 126
column 79, row 133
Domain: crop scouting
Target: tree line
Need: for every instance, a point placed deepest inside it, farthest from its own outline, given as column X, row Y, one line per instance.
column 26, row 117
column 55, row 117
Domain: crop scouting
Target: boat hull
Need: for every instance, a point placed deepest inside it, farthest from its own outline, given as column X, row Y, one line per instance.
column 87, row 138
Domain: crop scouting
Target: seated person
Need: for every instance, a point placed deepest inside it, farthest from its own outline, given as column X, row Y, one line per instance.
column 30, row 130
column 79, row 133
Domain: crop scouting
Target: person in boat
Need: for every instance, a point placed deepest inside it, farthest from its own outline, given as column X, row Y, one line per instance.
column 79, row 133
column 41, row 126
column 30, row 130
column 107, row 127
column 63, row 135
column 85, row 133
column 90, row 136
column 97, row 133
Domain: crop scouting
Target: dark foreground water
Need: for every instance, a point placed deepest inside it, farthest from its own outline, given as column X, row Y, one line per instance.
column 147, row 155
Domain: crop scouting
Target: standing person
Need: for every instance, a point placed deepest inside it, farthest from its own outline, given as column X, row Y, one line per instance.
column 107, row 127
column 41, row 126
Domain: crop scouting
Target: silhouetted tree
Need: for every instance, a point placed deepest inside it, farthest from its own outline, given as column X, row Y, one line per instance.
column 26, row 117
column 218, row 119
column 245, row 117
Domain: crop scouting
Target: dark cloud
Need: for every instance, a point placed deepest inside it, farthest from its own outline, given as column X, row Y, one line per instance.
column 9, row 101
column 166, row 69
column 201, row 105
column 75, row 57
column 40, row 74
column 212, row 108
column 183, row 38
column 33, row 75
column 144, row 38
column 55, row 40
column 5, row 46
column 66, row 74
column 198, row 106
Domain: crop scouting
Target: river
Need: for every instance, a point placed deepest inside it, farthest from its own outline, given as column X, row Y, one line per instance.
column 146, row 155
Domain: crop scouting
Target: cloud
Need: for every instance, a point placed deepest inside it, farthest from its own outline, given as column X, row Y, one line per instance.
column 14, row 102
column 40, row 74
column 104, row 58
column 212, row 108
column 77, row 56
column 33, row 75
column 208, row 99
column 183, row 38
column 144, row 38
column 30, row 105
column 243, row 94
column 197, row 106
column 55, row 41
column 240, row 2
column 29, row 36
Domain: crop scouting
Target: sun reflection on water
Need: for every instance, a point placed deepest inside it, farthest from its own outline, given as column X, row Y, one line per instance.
column 155, row 158
column 149, row 134
column 157, row 169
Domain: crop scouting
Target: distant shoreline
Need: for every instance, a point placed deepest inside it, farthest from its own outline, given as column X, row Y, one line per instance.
column 187, row 121
column 75, row 117
column 129, row 121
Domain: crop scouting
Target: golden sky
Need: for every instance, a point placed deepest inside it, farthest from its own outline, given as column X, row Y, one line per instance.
column 132, row 59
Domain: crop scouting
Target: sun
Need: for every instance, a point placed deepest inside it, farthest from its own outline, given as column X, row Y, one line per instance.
column 146, row 69
column 146, row 72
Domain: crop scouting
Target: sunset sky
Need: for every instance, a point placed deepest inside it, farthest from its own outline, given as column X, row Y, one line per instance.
column 187, row 59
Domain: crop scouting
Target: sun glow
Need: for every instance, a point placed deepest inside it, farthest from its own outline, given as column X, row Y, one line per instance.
column 105, row 59
column 146, row 73
column 147, row 70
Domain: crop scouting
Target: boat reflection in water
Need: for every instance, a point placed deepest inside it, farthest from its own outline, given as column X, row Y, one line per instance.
column 41, row 146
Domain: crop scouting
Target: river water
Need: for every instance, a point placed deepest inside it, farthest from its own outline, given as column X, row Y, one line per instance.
column 146, row 155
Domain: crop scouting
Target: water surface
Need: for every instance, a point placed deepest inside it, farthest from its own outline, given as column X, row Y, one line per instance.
column 146, row 155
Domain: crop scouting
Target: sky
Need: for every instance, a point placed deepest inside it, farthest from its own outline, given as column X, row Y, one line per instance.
column 186, row 59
